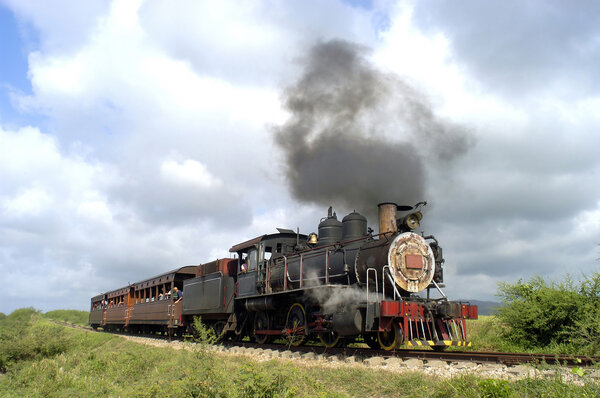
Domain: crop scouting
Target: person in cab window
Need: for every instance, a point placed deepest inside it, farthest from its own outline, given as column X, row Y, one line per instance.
column 177, row 295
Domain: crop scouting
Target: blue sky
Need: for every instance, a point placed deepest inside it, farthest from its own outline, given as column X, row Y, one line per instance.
column 13, row 68
column 149, row 140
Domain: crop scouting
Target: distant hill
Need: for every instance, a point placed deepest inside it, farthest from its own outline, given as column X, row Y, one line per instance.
column 485, row 307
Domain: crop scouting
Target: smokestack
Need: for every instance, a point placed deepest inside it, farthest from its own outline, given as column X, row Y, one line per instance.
column 387, row 217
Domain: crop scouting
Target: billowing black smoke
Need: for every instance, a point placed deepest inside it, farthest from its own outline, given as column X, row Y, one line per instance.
column 358, row 136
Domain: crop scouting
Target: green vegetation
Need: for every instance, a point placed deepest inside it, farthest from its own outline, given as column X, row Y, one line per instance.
column 560, row 317
column 72, row 316
column 486, row 334
column 22, row 338
column 202, row 334
column 40, row 358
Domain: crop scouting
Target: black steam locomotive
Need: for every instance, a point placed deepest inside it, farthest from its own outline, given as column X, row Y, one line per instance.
column 342, row 284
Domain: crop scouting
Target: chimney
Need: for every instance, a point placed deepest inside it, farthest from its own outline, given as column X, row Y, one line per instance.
column 387, row 217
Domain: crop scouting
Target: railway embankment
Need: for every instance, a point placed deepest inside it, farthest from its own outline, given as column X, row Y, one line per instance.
column 45, row 359
column 489, row 365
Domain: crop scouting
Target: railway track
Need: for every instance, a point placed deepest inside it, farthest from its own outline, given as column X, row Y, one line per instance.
column 505, row 358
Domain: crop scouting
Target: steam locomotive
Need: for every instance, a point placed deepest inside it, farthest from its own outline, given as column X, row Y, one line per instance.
column 345, row 283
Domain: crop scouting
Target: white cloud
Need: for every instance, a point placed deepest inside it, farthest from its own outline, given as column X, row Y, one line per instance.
column 587, row 223
column 62, row 25
column 188, row 172
column 30, row 202
column 94, row 210
column 154, row 148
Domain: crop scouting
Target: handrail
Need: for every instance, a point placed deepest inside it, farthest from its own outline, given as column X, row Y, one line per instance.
column 302, row 280
column 392, row 280
column 327, row 267
column 376, row 290
column 285, row 273
column 376, row 284
column 316, row 278
column 383, row 278
column 267, row 276
column 301, row 268
column 438, row 288
column 343, row 242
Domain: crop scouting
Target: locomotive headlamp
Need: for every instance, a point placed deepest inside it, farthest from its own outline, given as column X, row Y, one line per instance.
column 412, row 220
column 312, row 239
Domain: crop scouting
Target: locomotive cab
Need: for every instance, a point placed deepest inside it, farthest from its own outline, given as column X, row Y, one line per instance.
column 254, row 255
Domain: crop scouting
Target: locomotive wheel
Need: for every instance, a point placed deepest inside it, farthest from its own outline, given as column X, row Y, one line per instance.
column 240, row 328
column 390, row 340
column 330, row 339
column 237, row 335
column 261, row 322
column 296, row 318
column 439, row 348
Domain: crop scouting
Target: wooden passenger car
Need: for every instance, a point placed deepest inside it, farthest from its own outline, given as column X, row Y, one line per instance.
column 97, row 311
column 119, row 303
column 154, row 309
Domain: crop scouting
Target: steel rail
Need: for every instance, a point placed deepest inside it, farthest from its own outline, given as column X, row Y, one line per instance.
column 506, row 358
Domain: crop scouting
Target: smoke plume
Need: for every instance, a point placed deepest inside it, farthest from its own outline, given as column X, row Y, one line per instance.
column 358, row 136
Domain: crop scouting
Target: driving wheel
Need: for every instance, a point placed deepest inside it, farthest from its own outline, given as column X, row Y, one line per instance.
column 296, row 324
column 262, row 322
column 330, row 339
column 392, row 339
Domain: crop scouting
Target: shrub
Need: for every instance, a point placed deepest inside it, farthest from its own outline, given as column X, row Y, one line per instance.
column 542, row 314
column 22, row 315
column 203, row 334
column 23, row 336
column 256, row 383
column 72, row 316
column 586, row 330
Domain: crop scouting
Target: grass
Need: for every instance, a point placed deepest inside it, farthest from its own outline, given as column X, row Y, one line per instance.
column 72, row 316
column 487, row 334
column 42, row 359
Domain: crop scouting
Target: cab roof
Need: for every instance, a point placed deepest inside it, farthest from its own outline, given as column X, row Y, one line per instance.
column 245, row 246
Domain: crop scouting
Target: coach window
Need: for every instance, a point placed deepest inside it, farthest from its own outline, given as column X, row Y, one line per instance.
column 252, row 259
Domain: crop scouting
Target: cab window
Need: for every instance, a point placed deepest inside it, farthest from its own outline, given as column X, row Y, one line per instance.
column 252, row 259
column 264, row 252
